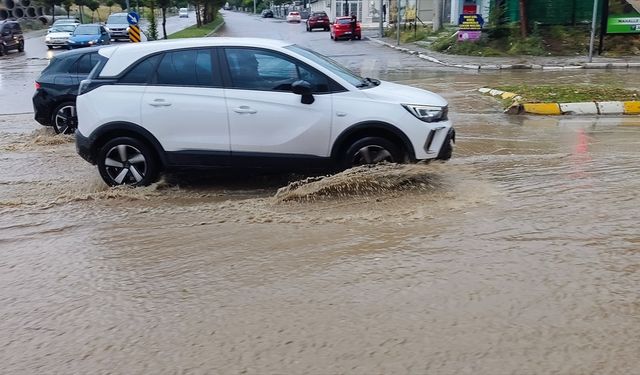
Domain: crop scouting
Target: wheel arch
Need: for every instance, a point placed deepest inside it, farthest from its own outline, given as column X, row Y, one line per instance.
column 372, row 129
column 112, row 130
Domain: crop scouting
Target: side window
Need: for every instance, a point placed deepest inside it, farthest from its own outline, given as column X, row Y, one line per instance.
column 262, row 70
column 83, row 65
column 17, row 29
column 186, row 68
column 142, row 71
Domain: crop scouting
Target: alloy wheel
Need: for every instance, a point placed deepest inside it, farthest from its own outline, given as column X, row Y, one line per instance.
column 372, row 154
column 125, row 164
column 66, row 119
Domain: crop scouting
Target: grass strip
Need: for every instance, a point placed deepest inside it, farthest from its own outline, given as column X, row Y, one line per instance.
column 570, row 93
column 197, row 32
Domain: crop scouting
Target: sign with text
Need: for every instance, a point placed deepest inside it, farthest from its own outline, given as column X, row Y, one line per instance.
column 624, row 17
column 470, row 22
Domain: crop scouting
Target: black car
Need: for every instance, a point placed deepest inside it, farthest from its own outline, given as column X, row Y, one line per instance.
column 54, row 102
column 267, row 13
column 10, row 37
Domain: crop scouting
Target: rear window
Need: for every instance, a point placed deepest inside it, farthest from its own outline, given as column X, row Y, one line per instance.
column 319, row 14
column 344, row 21
column 185, row 68
column 294, row 13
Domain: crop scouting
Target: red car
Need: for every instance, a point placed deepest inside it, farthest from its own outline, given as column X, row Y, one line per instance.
column 318, row 20
column 341, row 28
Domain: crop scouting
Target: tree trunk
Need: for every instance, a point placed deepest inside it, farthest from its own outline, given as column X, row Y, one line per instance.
column 523, row 19
column 164, row 22
column 198, row 19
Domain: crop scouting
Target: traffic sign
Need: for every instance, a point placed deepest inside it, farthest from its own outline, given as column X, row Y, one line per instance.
column 134, row 34
column 133, row 18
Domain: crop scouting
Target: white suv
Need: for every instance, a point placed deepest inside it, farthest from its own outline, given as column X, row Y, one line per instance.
column 231, row 102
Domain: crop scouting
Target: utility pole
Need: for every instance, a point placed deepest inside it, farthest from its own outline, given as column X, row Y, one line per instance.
column 254, row 6
column 381, row 19
column 593, row 29
column 437, row 15
column 523, row 19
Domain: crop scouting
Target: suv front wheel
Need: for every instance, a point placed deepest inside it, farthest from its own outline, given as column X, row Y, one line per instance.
column 371, row 150
column 127, row 161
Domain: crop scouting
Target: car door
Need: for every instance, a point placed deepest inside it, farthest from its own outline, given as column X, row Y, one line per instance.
column 184, row 106
column 104, row 36
column 7, row 36
column 265, row 116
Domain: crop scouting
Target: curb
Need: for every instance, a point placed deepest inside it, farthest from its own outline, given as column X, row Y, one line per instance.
column 215, row 30
column 422, row 55
column 582, row 108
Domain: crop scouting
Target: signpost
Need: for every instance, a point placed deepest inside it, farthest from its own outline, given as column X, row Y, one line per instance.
column 619, row 17
column 470, row 27
column 134, row 30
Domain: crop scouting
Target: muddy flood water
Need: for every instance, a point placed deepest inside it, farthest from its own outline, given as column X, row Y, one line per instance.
column 521, row 255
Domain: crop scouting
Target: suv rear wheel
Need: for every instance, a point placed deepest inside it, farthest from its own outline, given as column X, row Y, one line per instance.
column 371, row 150
column 64, row 118
column 127, row 161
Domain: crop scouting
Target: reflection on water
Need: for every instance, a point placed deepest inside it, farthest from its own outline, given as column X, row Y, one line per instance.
column 519, row 255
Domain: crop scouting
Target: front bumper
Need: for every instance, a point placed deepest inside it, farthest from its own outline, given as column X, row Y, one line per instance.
column 83, row 147
column 446, row 150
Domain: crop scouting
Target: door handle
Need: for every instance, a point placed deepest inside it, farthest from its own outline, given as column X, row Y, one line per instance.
column 244, row 109
column 159, row 103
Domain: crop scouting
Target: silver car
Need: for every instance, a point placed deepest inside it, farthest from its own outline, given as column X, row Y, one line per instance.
column 117, row 26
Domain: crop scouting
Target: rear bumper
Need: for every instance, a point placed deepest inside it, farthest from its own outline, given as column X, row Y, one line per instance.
column 41, row 108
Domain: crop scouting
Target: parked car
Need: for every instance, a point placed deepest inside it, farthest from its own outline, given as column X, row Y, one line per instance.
column 10, row 37
column 117, row 26
column 183, row 13
column 88, row 35
column 318, row 20
column 151, row 107
column 58, row 36
column 341, row 28
column 54, row 101
column 293, row 17
column 267, row 13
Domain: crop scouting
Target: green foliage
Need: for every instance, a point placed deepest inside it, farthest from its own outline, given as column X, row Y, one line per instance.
column 571, row 93
column 196, row 32
column 150, row 15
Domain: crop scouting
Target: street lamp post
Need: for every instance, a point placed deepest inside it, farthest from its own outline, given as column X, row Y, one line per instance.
column 254, row 6
column 593, row 29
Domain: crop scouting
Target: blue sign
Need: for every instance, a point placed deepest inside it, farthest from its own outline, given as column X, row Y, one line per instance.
column 133, row 18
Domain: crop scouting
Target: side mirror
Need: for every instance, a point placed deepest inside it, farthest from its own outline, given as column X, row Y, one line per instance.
column 303, row 88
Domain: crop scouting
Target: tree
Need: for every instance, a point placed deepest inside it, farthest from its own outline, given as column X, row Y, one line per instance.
column 163, row 5
column 523, row 18
column 110, row 4
column 81, row 4
column 93, row 5
column 153, row 22
column 67, row 4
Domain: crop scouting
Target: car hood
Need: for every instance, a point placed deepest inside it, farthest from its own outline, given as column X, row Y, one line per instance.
column 83, row 38
column 395, row 93
column 59, row 34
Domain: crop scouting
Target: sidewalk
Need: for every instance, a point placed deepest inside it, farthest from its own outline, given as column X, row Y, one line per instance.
column 511, row 62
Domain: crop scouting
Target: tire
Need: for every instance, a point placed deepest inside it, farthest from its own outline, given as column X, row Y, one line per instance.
column 3, row 50
column 371, row 150
column 64, row 118
column 50, row 47
column 358, row 37
column 326, row 29
column 21, row 46
column 127, row 161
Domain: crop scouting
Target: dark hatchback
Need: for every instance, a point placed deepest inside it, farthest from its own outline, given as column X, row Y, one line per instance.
column 54, row 101
column 11, row 37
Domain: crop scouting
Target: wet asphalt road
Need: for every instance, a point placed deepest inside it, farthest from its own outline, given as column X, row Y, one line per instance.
column 519, row 256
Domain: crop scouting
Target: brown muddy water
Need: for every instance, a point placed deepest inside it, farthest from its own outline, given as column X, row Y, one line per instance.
column 521, row 255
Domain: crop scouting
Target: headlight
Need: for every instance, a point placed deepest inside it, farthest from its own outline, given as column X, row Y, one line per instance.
column 47, row 38
column 428, row 113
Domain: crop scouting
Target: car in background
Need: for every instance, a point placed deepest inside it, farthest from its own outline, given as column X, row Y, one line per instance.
column 117, row 26
column 88, row 35
column 318, row 20
column 341, row 28
column 267, row 13
column 294, row 17
column 54, row 101
column 58, row 36
column 11, row 37
column 64, row 21
column 195, row 103
column 183, row 13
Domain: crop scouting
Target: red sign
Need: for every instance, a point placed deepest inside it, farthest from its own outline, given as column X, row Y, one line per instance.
column 469, row 9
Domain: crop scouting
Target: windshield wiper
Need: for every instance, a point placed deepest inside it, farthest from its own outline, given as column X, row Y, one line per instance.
column 374, row 81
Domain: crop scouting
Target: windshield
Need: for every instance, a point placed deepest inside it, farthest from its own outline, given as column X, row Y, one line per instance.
column 87, row 30
column 333, row 66
column 117, row 20
column 63, row 29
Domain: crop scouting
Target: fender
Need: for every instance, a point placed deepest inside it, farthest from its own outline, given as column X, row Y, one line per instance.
column 127, row 128
column 371, row 126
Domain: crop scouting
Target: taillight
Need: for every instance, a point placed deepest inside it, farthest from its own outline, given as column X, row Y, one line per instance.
column 37, row 85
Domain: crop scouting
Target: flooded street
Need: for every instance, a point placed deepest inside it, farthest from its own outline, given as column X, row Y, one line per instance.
column 521, row 255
